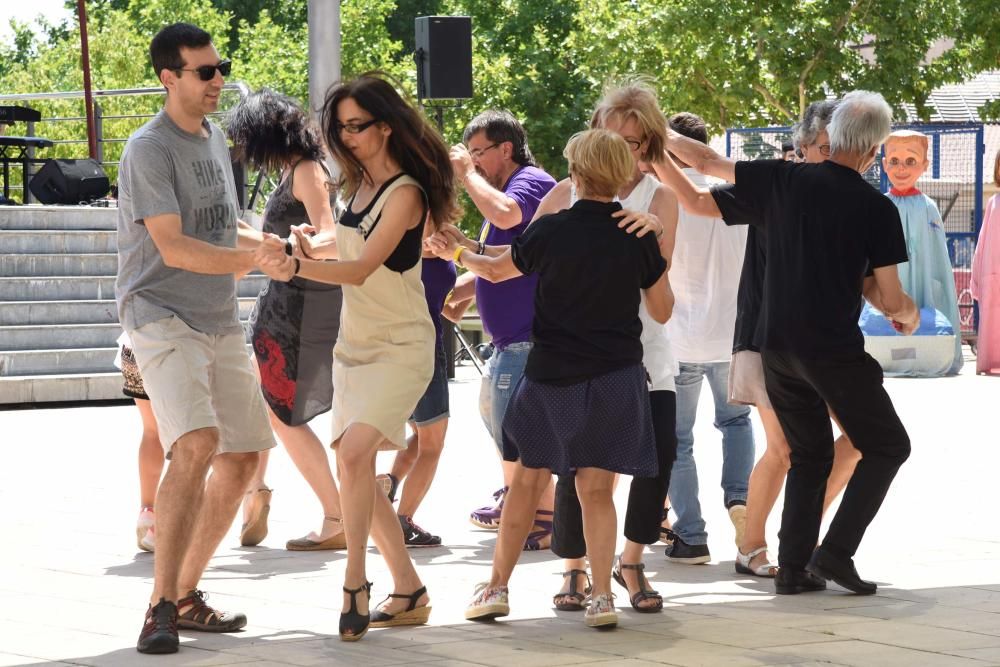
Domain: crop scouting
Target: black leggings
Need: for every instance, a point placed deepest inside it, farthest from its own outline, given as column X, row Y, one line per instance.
column 646, row 495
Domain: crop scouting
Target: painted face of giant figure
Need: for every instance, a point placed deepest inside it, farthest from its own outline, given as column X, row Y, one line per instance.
column 905, row 158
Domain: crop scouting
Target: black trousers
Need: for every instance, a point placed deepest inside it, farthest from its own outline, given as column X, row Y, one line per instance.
column 800, row 391
column 646, row 495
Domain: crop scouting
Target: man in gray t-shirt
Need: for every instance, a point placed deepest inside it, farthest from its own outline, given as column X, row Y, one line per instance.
column 179, row 247
column 168, row 171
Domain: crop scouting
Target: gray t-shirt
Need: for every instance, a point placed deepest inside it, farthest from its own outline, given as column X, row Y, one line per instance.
column 167, row 170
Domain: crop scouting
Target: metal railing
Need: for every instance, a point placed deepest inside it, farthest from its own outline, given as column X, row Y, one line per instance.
column 99, row 119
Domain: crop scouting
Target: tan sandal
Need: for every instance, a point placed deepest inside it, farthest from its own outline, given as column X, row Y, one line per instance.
column 336, row 541
column 254, row 531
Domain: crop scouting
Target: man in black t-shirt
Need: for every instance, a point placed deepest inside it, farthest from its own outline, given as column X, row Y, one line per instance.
column 830, row 238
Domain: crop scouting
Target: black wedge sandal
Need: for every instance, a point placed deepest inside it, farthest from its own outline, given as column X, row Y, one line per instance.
column 577, row 600
column 353, row 625
column 643, row 593
column 412, row 615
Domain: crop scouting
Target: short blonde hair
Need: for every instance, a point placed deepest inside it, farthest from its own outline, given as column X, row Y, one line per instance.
column 601, row 162
column 635, row 99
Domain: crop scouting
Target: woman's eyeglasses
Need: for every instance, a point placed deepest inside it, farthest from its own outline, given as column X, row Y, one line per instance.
column 207, row 72
column 824, row 150
column 354, row 128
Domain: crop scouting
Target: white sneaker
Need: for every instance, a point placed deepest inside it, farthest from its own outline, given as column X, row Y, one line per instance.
column 144, row 526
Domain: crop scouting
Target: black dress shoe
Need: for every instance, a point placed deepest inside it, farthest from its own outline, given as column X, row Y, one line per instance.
column 841, row 570
column 791, row 581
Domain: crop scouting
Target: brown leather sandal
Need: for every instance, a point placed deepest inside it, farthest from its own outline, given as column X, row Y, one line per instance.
column 577, row 600
column 198, row 615
column 644, row 593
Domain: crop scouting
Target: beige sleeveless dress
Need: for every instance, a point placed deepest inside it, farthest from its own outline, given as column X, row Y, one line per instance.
column 384, row 356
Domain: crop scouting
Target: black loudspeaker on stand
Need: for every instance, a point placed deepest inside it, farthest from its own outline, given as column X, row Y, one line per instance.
column 69, row 182
column 444, row 57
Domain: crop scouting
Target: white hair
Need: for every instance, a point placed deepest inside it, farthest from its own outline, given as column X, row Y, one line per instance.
column 861, row 121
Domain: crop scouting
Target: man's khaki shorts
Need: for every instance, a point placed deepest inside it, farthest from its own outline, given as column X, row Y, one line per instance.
column 746, row 380
column 197, row 381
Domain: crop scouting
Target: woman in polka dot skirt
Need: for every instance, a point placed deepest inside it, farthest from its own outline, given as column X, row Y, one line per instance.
column 583, row 403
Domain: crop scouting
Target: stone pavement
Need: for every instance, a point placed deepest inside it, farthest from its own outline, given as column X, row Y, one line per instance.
column 73, row 589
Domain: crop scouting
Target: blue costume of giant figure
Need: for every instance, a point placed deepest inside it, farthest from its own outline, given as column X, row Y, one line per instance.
column 928, row 276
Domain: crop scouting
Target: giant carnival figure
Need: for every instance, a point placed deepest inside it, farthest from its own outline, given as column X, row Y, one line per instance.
column 935, row 349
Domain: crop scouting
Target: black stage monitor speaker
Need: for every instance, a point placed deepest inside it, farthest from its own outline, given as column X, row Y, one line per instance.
column 69, row 182
column 444, row 57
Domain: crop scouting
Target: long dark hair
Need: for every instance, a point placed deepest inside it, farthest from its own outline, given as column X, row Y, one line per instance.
column 414, row 144
column 269, row 129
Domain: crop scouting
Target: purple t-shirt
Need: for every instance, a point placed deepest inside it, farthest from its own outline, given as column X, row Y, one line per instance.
column 507, row 308
column 438, row 277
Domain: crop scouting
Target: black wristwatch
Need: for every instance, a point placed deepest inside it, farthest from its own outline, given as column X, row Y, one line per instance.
column 288, row 246
column 481, row 248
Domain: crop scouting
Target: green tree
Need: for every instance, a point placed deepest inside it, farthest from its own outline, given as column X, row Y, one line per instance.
column 746, row 63
column 400, row 21
column 736, row 63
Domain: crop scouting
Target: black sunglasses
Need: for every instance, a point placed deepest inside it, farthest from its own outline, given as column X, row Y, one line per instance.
column 207, row 72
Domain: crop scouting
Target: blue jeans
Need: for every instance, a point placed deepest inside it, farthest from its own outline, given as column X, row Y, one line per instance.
column 503, row 371
column 737, row 447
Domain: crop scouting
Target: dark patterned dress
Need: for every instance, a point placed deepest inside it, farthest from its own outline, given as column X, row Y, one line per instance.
column 293, row 327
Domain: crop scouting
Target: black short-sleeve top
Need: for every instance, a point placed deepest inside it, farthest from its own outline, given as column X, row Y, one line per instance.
column 826, row 229
column 586, row 320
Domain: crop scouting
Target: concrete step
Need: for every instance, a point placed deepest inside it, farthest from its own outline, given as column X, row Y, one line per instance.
column 18, row 313
column 57, row 288
column 57, row 362
column 63, row 288
column 59, row 241
column 60, row 361
column 77, row 264
column 37, row 217
column 59, row 336
column 50, row 388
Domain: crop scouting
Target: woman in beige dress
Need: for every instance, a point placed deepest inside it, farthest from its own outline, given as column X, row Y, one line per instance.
column 396, row 171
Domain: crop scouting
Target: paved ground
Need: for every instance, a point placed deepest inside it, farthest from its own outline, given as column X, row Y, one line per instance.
column 73, row 588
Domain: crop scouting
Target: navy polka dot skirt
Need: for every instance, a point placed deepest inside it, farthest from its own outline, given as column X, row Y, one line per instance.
column 602, row 423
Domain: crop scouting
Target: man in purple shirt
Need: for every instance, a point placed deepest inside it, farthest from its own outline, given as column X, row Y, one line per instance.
column 498, row 172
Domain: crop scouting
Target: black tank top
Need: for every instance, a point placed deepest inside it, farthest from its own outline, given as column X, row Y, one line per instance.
column 407, row 253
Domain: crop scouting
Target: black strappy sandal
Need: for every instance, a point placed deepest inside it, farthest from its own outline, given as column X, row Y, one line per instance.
column 643, row 593
column 412, row 615
column 578, row 599
column 353, row 625
column 666, row 535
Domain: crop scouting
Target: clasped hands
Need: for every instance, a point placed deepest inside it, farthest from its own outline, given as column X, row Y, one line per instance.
column 444, row 242
column 272, row 257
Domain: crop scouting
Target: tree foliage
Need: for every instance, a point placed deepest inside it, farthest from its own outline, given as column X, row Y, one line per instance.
column 735, row 63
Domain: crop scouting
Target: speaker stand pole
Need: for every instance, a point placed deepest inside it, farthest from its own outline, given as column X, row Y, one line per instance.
column 449, row 333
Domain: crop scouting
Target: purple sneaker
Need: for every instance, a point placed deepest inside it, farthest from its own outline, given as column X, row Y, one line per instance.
column 489, row 517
